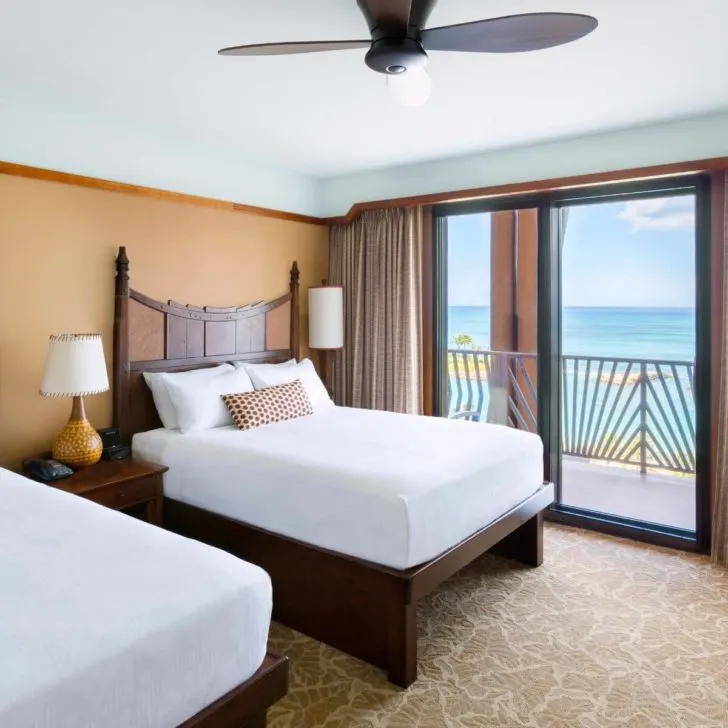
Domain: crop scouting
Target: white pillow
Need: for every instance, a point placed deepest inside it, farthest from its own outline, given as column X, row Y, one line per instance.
column 157, row 382
column 267, row 375
column 264, row 367
column 199, row 405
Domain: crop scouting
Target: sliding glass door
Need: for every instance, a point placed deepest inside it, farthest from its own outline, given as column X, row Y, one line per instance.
column 585, row 317
column 628, row 336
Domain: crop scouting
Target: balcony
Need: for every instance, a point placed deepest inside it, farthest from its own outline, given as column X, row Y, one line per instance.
column 628, row 426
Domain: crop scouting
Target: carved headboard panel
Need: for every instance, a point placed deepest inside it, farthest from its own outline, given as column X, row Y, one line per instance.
column 166, row 337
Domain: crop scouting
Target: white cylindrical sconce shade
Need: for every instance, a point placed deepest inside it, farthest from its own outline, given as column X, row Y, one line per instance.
column 326, row 317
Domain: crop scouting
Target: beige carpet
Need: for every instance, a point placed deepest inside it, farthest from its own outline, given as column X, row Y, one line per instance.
column 606, row 633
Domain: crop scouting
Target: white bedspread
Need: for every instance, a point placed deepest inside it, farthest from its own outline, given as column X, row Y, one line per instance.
column 394, row 489
column 107, row 622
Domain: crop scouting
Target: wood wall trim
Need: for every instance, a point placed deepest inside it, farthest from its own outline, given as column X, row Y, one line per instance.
column 49, row 175
column 713, row 164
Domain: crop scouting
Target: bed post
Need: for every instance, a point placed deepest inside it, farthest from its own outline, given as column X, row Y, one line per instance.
column 525, row 544
column 402, row 643
column 295, row 335
column 121, row 341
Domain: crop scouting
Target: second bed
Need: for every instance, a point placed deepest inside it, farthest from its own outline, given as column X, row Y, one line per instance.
column 108, row 621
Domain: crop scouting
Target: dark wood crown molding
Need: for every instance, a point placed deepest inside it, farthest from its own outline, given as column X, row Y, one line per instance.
column 49, row 175
column 713, row 164
column 674, row 169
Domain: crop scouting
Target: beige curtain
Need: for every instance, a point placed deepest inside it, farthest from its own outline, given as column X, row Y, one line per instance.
column 719, row 547
column 378, row 261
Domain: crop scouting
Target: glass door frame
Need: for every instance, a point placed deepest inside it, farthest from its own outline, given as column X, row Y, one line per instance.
column 549, row 205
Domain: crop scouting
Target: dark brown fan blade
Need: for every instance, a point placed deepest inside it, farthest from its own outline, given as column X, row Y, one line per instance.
column 285, row 49
column 510, row 34
column 420, row 12
column 386, row 13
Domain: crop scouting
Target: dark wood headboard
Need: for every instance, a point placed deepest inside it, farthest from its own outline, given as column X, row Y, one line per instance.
column 151, row 336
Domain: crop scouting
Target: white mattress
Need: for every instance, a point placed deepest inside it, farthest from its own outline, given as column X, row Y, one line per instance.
column 394, row 489
column 106, row 621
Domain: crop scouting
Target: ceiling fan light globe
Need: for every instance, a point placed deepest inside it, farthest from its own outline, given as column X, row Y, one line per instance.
column 412, row 88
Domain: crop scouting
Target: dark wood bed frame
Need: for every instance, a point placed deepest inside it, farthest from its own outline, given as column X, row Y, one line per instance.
column 357, row 606
column 247, row 705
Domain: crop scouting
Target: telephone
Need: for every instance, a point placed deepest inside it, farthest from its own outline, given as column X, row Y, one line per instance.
column 46, row 471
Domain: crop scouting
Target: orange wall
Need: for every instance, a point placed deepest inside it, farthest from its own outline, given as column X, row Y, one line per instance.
column 57, row 250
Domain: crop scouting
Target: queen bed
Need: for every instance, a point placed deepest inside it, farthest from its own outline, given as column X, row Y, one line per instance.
column 388, row 488
column 108, row 621
column 356, row 515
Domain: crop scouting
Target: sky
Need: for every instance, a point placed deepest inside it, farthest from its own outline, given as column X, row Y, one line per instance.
column 637, row 253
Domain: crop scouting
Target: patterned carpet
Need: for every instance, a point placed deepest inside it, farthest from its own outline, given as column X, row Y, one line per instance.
column 606, row 633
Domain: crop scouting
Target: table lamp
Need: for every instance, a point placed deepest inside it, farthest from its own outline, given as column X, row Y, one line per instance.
column 325, row 324
column 76, row 367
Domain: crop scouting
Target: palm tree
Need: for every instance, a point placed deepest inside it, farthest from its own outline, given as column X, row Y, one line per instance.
column 464, row 341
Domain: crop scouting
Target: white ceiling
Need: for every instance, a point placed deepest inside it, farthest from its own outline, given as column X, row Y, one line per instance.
column 151, row 66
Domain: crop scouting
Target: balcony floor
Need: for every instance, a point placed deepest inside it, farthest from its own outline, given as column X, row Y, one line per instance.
column 655, row 497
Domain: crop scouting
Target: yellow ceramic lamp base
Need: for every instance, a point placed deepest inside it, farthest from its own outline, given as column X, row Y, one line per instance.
column 78, row 444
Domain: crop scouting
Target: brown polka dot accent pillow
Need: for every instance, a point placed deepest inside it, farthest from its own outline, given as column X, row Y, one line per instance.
column 265, row 406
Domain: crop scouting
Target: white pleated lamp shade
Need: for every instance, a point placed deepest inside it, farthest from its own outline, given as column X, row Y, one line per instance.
column 75, row 366
column 326, row 317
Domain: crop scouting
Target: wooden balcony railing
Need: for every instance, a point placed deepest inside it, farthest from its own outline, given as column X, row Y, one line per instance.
column 636, row 412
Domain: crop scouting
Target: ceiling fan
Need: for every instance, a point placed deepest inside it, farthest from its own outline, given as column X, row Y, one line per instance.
column 400, row 41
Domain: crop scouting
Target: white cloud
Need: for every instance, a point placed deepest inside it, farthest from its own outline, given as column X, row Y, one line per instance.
column 666, row 213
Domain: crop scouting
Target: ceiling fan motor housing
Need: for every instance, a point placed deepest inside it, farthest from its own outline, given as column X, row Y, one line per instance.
column 393, row 56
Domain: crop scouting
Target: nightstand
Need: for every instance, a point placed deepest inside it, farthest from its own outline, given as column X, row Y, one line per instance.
column 120, row 484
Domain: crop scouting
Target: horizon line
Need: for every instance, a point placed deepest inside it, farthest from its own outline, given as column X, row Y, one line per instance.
column 653, row 306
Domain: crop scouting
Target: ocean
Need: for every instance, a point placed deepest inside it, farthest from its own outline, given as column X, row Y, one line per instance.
column 630, row 333
column 639, row 333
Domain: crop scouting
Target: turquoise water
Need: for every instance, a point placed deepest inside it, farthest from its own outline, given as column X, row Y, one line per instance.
column 632, row 333
column 640, row 333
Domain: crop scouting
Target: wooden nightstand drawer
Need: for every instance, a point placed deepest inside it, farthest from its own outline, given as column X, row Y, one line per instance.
column 122, row 495
column 129, row 485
